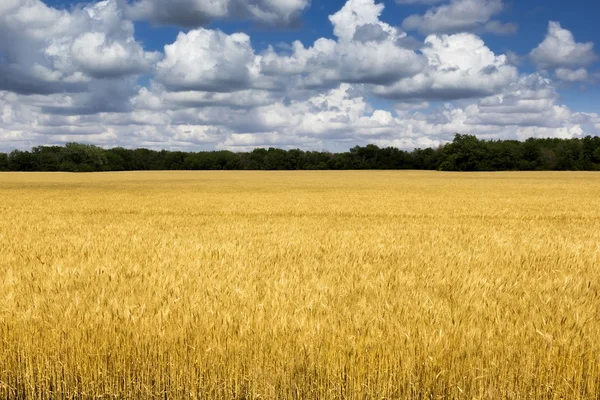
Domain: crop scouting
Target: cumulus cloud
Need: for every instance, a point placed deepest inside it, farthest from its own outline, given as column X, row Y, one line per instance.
column 72, row 75
column 527, row 108
column 371, row 52
column 208, row 60
column 458, row 66
column 367, row 51
column 571, row 75
column 327, row 62
column 158, row 98
column 195, row 13
column 357, row 13
column 53, row 50
column 499, row 28
column 99, row 56
column 460, row 16
column 530, row 101
column 559, row 49
column 370, row 33
column 336, row 119
column 340, row 115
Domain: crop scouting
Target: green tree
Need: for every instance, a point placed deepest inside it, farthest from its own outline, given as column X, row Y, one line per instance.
column 276, row 159
column 256, row 159
column 85, row 157
column 465, row 153
column 3, row 162
column 173, row 160
column 567, row 153
column 227, row 160
column 47, row 158
column 596, row 156
column 21, row 161
column 548, row 159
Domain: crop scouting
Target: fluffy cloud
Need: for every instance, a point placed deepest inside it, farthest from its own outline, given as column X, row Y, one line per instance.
column 101, row 57
column 559, row 49
column 530, row 101
column 158, row 98
column 570, row 75
column 329, row 120
column 366, row 51
column 458, row 66
column 336, row 119
column 73, row 76
column 327, row 62
column 499, row 28
column 460, row 16
column 527, row 108
column 357, row 13
column 54, row 51
column 78, row 62
column 208, row 60
column 195, row 13
column 369, row 51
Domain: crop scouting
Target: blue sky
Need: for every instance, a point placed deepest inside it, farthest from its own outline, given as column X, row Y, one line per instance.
column 211, row 75
column 532, row 16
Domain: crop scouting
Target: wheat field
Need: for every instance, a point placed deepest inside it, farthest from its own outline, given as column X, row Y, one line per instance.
column 300, row 285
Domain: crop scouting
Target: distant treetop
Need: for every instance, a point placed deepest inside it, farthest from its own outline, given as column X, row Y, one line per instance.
column 464, row 153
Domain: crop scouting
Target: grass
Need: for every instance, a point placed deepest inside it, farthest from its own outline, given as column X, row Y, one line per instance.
column 328, row 285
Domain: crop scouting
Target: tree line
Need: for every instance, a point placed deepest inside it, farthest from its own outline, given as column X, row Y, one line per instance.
column 464, row 153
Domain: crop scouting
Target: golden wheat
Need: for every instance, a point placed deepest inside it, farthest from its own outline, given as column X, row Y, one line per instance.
column 318, row 285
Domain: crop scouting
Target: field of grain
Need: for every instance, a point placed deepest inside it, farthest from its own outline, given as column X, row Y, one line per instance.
column 307, row 285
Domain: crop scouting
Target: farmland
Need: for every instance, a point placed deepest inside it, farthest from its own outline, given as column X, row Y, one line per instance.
column 300, row 285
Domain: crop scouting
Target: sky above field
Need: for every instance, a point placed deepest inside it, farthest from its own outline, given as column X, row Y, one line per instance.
column 324, row 75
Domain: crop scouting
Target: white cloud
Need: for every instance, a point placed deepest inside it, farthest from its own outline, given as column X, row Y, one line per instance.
column 100, row 57
column 459, row 16
column 158, row 98
column 195, row 13
column 369, row 51
column 208, row 60
column 356, row 13
column 336, row 119
column 72, row 75
column 327, row 62
column 531, row 101
column 527, row 108
column 8, row 6
column 559, row 49
column 458, row 66
column 337, row 116
column 571, row 75
column 54, row 51
column 513, row 58
column 499, row 28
